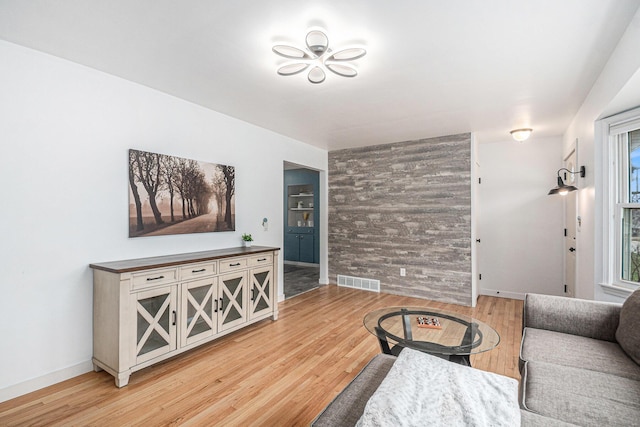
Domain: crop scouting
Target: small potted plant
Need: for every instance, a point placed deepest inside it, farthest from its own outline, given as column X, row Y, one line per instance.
column 247, row 239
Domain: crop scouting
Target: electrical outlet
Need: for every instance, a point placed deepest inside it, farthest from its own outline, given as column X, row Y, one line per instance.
column 403, row 272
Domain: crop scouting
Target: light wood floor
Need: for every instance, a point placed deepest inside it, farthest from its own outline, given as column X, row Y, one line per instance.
column 270, row 374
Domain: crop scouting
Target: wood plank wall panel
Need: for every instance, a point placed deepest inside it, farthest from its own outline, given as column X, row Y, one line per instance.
column 405, row 204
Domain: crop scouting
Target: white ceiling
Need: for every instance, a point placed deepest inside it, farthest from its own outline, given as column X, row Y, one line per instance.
column 432, row 67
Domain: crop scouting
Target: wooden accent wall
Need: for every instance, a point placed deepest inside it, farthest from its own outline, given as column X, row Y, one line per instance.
column 404, row 205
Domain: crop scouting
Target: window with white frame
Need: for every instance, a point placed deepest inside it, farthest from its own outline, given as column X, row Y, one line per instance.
column 622, row 185
column 628, row 205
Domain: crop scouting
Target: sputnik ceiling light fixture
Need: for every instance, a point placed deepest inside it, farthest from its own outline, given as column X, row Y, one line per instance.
column 319, row 57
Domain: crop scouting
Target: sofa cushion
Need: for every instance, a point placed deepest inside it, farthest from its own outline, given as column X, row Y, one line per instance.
column 628, row 332
column 580, row 396
column 540, row 345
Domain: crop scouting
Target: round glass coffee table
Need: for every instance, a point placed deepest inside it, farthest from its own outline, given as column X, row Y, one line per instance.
column 442, row 333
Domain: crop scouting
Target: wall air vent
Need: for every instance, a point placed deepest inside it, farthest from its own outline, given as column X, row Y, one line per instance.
column 359, row 283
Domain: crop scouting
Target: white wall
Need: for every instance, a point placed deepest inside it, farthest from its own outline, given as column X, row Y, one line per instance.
column 519, row 225
column 609, row 89
column 65, row 133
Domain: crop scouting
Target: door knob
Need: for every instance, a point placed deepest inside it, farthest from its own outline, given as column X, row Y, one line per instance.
column 572, row 249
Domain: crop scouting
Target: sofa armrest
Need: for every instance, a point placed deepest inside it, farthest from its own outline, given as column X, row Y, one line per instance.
column 592, row 319
column 347, row 407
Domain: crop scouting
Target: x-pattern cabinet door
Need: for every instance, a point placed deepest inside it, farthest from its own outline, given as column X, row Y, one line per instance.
column 232, row 296
column 261, row 291
column 155, row 323
column 198, row 310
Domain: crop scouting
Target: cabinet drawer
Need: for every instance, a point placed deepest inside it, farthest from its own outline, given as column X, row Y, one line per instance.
column 197, row 270
column 263, row 259
column 232, row 264
column 149, row 278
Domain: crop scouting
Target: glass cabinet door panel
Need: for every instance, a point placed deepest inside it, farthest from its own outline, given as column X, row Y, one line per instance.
column 260, row 300
column 232, row 314
column 154, row 342
column 261, row 291
column 232, row 297
column 155, row 325
column 198, row 317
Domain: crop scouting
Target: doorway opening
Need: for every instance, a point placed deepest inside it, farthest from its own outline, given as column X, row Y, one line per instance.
column 301, row 194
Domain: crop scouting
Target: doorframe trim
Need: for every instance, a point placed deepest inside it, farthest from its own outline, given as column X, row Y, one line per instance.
column 573, row 150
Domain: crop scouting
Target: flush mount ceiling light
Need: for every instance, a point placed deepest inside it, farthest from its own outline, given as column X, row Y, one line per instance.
column 319, row 57
column 521, row 134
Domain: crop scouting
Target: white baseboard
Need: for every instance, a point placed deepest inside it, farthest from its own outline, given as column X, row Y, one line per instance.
column 502, row 294
column 51, row 378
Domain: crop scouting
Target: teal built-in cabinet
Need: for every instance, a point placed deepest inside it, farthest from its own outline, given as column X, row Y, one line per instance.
column 301, row 207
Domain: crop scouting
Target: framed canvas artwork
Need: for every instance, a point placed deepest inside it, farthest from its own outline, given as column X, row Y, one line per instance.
column 172, row 195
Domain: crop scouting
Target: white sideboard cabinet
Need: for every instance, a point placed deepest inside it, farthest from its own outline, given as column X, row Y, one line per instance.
column 147, row 310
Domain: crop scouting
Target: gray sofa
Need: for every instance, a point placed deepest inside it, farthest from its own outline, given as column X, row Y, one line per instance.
column 574, row 371
column 572, row 365
column 347, row 408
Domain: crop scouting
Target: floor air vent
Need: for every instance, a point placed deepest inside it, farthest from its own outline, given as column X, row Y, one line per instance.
column 359, row 283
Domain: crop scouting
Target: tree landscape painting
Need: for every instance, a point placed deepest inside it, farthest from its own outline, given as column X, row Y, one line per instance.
column 172, row 195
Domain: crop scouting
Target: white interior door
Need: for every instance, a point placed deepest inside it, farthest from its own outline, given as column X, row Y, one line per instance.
column 571, row 227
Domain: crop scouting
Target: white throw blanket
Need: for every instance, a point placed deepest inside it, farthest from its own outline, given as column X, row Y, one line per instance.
column 424, row 390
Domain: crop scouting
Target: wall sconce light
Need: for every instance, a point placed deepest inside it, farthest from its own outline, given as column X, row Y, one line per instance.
column 521, row 135
column 562, row 188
